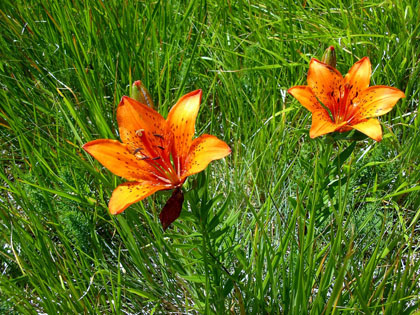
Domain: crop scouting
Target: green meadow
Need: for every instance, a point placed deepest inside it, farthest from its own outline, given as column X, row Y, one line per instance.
column 285, row 224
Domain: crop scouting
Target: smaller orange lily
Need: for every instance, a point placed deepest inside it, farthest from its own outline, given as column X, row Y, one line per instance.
column 340, row 103
column 156, row 154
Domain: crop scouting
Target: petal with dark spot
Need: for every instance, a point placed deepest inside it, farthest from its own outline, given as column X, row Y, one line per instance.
column 131, row 192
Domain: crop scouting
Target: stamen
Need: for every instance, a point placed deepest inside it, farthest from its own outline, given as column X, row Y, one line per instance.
column 140, row 132
column 178, row 168
column 162, row 178
column 137, row 150
column 154, row 158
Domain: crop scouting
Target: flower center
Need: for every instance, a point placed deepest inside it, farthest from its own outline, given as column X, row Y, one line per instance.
column 157, row 154
column 343, row 108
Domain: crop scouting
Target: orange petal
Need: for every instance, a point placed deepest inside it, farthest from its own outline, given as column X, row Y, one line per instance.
column 376, row 101
column 324, row 81
column 133, row 117
column 204, row 149
column 128, row 193
column 370, row 127
column 306, row 97
column 322, row 124
column 181, row 121
column 358, row 77
column 116, row 157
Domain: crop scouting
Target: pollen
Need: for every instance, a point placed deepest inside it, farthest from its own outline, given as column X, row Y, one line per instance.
column 137, row 150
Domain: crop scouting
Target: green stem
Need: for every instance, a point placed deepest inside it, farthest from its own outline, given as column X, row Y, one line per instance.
column 206, row 265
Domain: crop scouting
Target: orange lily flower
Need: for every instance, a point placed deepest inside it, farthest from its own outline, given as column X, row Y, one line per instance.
column 156, row 154
column 340, row 103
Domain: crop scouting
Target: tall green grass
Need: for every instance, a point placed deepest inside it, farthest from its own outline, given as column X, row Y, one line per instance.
column 285, row 224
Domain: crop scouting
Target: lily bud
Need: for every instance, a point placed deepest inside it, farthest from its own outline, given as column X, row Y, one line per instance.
column 141, row 94
column 329, row 57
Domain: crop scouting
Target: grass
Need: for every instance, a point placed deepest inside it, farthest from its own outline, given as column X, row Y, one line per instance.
column 285, row 224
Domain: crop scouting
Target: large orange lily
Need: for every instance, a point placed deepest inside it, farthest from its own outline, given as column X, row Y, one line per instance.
column 340, row 103
column 156, row 154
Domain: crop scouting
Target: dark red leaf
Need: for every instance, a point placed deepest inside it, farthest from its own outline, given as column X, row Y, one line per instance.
column 172, row 209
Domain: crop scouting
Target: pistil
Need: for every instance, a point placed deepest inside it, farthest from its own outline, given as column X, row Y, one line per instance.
column 341, row 105
column 159, row 160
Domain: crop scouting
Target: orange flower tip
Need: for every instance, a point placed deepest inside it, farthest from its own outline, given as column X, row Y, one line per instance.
column 314, row 60
column 87, row 145
column 115, row 212
column 194, row 93
column 313, row 135
column 123, row 100
column 115, row 208
column 121, row 103
column 293, row 89
column 290, row 90
column 189, row 95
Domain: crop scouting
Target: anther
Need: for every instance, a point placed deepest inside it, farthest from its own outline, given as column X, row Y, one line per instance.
column 156, row 158
column 160, row 147
column 137, row 150
column 158, row 136
column 140, row 132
